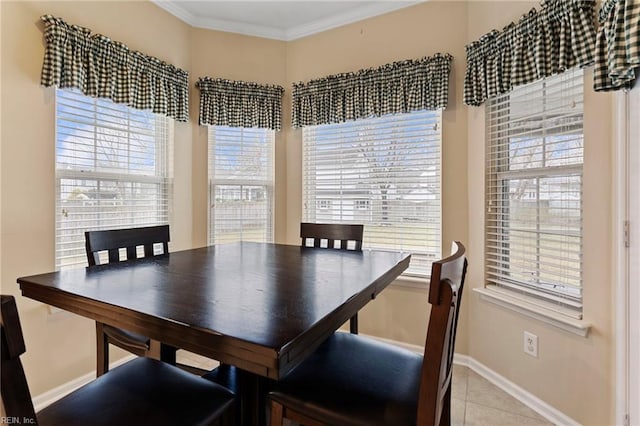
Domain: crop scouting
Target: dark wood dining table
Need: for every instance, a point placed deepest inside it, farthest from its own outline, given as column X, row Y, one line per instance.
column 258, row 306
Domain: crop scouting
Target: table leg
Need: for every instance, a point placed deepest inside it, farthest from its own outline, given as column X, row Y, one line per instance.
column 253, row 390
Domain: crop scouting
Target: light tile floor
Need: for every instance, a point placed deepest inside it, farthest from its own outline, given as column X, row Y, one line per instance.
column 475, row 401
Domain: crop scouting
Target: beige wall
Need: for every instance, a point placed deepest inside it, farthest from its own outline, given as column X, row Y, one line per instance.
column 572, row 374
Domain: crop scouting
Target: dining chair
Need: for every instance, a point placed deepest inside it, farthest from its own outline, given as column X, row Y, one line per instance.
column 141, row 391
column 336, row 236
column 355, row 380
column 113, row 242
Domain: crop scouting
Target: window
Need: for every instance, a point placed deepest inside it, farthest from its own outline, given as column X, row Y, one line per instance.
column 113, row 168
column 534, row 193
column 384, row 173
column 240, row 184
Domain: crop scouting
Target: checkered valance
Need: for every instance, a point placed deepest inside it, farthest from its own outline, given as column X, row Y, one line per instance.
column 240, row 104
column 399, row 87
column 617, row 45
column 101, row 67
column 559, row 36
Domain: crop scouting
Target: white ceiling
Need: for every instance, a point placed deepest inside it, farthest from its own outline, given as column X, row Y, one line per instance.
column 280, row 20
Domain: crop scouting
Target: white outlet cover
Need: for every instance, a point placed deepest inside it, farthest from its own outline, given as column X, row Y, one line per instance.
column 531, row 344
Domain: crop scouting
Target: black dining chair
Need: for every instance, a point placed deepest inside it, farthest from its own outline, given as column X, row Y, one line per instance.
column 141, row 391
column 354, row 380
column 334, row 236
column 128, row 240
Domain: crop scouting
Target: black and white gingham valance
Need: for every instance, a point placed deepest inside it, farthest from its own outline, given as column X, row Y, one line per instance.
column 617, row 45
column 240, row 104
column 559, row 36
column 398, row 87
column 100, row 67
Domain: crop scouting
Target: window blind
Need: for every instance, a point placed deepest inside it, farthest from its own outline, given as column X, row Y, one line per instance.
column 240, row 184
column 113, row 170
column 534, row 192
column 384, row 173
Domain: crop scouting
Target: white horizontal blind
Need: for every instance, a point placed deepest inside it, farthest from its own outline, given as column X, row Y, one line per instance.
column 113, row 170
column 240, row 184
column 534, row 192
column 381, row 172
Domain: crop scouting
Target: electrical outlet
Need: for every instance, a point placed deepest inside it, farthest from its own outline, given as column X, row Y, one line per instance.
column 531, row 344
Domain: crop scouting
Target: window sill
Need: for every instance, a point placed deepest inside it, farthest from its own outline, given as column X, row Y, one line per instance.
column 579, row 327
column 403, row 281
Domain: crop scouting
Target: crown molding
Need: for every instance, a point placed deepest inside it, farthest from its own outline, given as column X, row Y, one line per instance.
column 349, row 17
column 241, row 28
column 365, row 12
column 176, row 10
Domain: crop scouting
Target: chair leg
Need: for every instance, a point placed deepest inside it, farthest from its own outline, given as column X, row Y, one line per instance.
column 445, row 416
column 229, row 418
column 353, row 324
column 277, row 414
column 102, row 350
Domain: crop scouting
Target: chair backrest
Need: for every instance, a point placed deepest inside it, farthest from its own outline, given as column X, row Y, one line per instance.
column 130, row 239
column 445, row 295
column 13, row 383
column 332, row 233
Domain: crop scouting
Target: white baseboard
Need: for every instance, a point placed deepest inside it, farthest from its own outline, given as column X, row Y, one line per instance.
column 536, row 404
column 51, row 396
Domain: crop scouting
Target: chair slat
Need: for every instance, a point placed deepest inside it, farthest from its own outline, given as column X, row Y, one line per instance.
column 148, row 250
column 132, row 253
column 114, row 255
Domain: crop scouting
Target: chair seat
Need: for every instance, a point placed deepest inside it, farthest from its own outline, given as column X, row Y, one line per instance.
column 354, row 380
column 156, row 394
column 127, row 338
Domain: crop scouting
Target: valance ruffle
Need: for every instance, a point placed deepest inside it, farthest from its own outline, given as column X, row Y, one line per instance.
column 617, row 45
column 558, row 37
column 102, row 68
column 398, row 87
column 240, row 104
